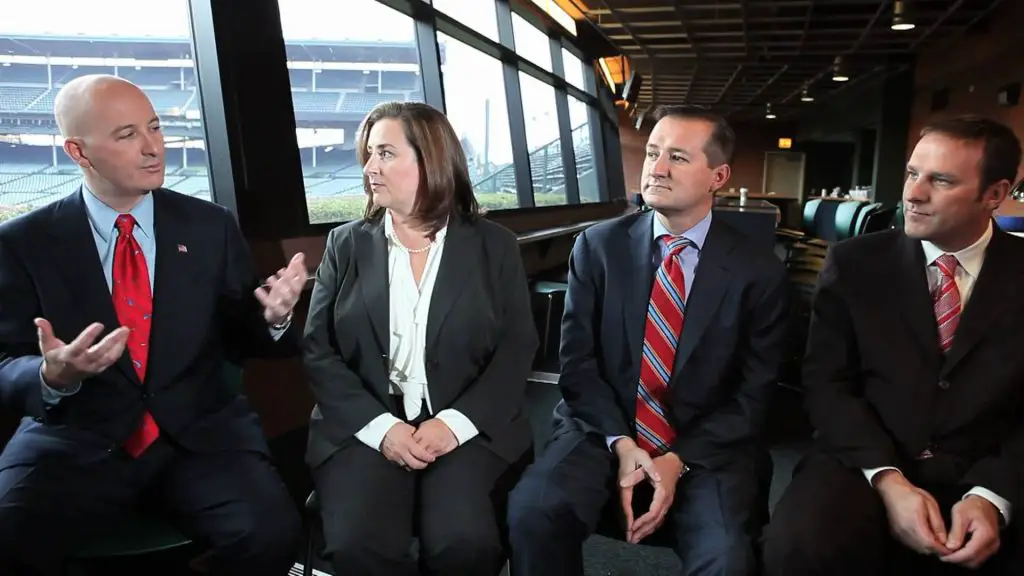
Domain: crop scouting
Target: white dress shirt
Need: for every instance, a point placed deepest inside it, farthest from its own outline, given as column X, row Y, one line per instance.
column 971, row 260
column 409, row 306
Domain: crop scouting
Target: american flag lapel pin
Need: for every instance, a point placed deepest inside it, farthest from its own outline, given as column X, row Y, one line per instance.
column 182, row 248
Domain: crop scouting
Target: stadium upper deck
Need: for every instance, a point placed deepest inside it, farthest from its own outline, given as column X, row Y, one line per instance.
column 334, row 85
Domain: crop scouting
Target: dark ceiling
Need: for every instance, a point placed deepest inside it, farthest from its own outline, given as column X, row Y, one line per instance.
column 740, row 55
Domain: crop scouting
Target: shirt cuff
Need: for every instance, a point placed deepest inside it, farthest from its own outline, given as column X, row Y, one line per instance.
column 53, row 396
column 609, row 440
column 373, row 433
column 459, row 424
column 999, row 502
column 870, row 473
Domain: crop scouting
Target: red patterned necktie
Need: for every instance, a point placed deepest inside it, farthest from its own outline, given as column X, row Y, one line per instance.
column 661, row 337
column 947, row 300
column 133, row 303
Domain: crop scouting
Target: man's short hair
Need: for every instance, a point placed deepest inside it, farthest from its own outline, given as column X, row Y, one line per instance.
column 1001, row 152
column 722, row 142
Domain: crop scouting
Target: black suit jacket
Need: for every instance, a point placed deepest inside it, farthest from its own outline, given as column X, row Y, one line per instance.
column 728, row 355
column 481, row 338
column 880, row 392
column 204, row 311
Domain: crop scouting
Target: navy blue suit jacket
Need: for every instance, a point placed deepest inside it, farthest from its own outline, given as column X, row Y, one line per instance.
column 728, row 355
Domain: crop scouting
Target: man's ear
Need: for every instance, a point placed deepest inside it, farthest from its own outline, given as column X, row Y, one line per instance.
column 720, row 176
column 75, row 149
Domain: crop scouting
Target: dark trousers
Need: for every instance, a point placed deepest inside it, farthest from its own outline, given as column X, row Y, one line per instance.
column 831, row 522
column 565, row 494
column 232, row 502
column 371, row 509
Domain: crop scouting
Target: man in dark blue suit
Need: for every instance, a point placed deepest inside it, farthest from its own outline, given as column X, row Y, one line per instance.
column 142, row 415
column 671, row 339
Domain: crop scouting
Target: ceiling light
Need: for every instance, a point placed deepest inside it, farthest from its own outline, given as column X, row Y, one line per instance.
column 838, row 70
column 900, row 22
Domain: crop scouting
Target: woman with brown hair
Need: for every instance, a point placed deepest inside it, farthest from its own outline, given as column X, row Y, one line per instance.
column 418, row 344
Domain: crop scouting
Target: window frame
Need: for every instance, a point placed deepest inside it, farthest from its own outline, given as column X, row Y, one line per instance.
column 245, row 91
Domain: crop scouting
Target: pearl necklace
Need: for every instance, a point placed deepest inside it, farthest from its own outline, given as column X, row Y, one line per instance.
column 417, row 250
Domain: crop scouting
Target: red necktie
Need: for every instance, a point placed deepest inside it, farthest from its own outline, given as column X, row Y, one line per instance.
column 947, row 300
column 133, row 303
column 661, row 337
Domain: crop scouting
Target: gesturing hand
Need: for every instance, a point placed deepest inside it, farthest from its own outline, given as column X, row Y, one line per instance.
column 400, row 447
column 282, row 290
column 980, row 519
column 914, row 516
column 436, row 437
column 65, row 364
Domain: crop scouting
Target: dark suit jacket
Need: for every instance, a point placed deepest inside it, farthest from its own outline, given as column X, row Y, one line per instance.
column 204, row 310
column 728, row 355
column 879, row 391
column 481, row 338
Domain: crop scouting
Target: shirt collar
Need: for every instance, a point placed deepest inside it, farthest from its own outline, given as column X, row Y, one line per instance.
column 103, row 217
column 389, row 230
column 697, row 234
column 970, row 258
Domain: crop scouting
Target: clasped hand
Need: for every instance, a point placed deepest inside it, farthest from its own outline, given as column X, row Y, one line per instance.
column 916, row 520
column 415, row 448
column 281, row 291
column 663, row 472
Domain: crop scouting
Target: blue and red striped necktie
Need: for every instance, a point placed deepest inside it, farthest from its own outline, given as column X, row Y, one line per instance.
column 665, row 315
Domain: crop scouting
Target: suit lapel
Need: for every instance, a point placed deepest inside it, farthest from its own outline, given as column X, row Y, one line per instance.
column 79, row 263
column 460, row 249
column 372, row 260
column 711, row 282
column 914, row 302
column 639, row 282
column 173, row 285
column 996, row 285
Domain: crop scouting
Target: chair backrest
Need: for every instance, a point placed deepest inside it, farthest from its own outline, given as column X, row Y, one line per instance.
column 846, row 218
column 879, row 220
column 862, row 217
column 233, row 376
column 810, row 210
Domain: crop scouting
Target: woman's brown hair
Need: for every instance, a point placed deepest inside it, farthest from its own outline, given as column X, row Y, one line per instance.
column 445, row 190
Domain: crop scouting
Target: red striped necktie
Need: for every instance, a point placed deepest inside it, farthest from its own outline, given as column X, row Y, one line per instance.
column 947, row 301
column 665, row 315
column 133, row 302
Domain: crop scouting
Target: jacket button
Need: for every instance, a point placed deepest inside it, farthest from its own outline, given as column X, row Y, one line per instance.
column 944, row 384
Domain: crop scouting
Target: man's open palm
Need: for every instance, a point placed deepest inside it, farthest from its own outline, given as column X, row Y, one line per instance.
column 64, row 364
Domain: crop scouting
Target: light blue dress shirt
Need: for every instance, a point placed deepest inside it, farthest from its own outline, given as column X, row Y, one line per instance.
column 690, row 258
column 102, row 220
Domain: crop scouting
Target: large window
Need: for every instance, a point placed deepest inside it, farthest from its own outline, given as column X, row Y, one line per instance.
column 542, row 138
column 583, row 151
column 344, row 58
column 479, row 15
column 474, row 88
column 531, row 43
column 46, row 43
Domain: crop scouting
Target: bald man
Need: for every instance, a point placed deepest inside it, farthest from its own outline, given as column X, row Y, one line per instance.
column 119, row 306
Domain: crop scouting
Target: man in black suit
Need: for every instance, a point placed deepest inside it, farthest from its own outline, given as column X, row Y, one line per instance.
column 915, row 381
column 142, row 417
column 641, row 412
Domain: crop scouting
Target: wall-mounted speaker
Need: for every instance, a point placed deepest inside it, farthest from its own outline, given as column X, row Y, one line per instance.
column 1009, row 95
